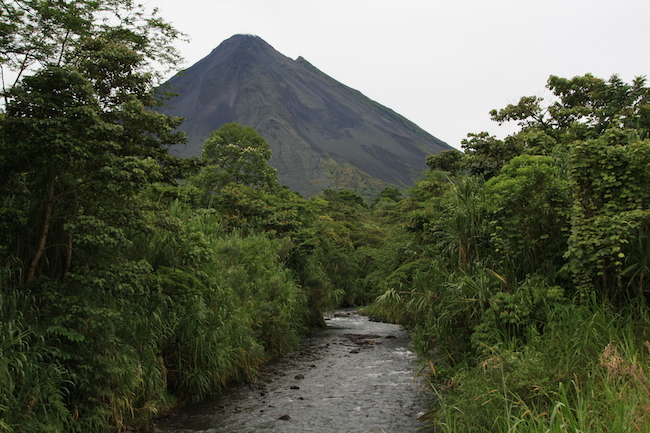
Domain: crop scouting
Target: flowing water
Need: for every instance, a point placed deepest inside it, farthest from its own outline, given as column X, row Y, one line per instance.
column 353, row 376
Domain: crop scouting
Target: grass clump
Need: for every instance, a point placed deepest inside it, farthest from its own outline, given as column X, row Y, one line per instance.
column 587, row 372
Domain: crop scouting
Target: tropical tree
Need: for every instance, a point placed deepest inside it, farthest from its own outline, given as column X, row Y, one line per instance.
column 78, row 158
column 584, row 107
column 485, row 154
column 448, row 160
column 596, row 130
column 528, row 204
column 35, row 33
column 610, row 221
column 78, row 149
column 237, row 154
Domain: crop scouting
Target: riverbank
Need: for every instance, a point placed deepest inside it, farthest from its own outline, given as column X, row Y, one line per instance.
column 355, row 375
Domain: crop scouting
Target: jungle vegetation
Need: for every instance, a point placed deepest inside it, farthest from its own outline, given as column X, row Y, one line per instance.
column 132, row 282
column 524, row 267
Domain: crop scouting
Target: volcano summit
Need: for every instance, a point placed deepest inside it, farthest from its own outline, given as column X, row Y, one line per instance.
column 322, row 133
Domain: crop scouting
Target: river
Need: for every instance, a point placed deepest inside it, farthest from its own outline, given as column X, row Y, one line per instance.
column 353, row 376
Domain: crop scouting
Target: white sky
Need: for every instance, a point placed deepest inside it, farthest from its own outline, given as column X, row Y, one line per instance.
column 442, row 64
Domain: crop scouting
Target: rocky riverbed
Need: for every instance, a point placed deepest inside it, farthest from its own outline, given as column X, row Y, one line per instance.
column 353, row 376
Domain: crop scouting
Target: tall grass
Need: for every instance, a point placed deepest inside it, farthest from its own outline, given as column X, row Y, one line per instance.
column 227, row 299
column 30, row 376
column 180, row 311
column 586, row 373
column 250, row 266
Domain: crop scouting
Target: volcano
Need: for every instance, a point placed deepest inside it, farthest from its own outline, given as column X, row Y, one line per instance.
column 322, row 133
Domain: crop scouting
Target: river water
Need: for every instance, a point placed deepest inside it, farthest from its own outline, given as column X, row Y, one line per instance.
column 355, row 376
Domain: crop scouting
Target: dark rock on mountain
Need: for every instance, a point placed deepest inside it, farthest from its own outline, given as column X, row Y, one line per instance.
column 322, row 133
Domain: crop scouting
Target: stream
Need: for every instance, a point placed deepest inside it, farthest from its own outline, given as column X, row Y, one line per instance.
column 355, row 375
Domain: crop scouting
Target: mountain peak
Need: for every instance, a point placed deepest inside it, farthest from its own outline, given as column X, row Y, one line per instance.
column 321, row 132
column 242, row 39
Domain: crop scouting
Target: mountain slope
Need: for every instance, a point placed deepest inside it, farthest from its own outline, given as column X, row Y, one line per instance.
column 322, row 133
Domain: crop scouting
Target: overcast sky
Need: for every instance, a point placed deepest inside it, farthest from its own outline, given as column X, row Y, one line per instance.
column 442, row 64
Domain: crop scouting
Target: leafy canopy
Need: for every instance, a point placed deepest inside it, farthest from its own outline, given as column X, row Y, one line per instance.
column 237, row 154
column 77, row 142
column 37, row 33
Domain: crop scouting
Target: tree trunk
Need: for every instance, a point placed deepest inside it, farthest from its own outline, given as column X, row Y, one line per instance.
column 47, row 219
column 68, row 257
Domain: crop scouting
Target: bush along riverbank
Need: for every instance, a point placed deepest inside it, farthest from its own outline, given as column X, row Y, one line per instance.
column 161, row 316
column 134, row 295
column 129, row 286
column 524, row 268
column 132, row 281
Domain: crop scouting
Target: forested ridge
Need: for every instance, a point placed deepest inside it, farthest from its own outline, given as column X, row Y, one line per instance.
column 132, row 282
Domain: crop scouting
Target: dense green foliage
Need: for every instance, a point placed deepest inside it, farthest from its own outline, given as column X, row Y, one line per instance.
column 526, row 290
column 131, row 281
column 238, row 154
